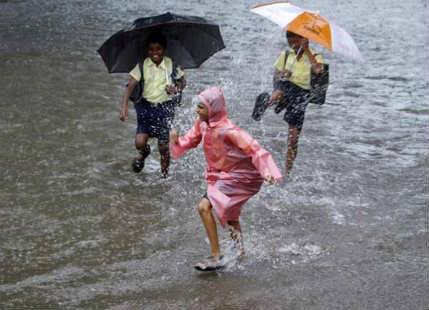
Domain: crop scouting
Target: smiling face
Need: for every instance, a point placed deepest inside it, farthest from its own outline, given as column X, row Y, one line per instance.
column 156, row 51
column 202, row 111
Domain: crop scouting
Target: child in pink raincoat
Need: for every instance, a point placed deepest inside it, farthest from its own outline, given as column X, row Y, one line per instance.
column 236, row 168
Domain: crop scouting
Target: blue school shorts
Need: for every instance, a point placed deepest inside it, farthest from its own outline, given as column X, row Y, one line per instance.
column 155, row 120
column 298, row 99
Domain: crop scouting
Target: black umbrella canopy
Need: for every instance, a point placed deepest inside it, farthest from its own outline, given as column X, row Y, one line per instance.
column 191, row 40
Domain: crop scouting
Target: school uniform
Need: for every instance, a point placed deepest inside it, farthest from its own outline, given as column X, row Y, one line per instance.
column 155, row 112
column 297, row 87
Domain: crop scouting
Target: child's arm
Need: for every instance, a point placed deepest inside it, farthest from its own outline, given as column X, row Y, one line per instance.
column 126, row 97
column 181, row 84
column 316, row 64
column 191, row 140
column 281, row 71
column 277, row 76
column 261, row 158
column 135, row 76
column 172, row 90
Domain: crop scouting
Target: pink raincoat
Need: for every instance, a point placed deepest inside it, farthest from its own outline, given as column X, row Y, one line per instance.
column 236, row 163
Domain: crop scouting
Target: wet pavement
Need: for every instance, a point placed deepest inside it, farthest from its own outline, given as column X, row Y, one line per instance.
column 80, row 230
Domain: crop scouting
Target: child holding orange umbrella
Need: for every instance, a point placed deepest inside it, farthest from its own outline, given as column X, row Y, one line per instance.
column 292, row 88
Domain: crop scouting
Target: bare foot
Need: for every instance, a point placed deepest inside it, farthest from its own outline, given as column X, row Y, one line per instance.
column 238, row 241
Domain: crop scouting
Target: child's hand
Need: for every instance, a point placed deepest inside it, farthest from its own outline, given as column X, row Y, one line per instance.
column 171, row 89
column 269, row 178
column 304, row 44
column 124, row 113
column 174, row 136
column 286, row 74
column 276, row 97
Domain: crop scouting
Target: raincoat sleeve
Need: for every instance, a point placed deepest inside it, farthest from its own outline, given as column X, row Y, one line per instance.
column 190, row 140
column 261, row 158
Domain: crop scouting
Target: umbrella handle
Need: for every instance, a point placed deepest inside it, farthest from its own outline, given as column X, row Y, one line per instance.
column 292, row 66
column 167, row 76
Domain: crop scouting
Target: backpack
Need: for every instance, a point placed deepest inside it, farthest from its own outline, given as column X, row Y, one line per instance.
column 137, row 93
column 319, row 83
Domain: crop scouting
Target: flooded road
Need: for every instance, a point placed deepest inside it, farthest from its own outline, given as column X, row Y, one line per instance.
column 80, row 230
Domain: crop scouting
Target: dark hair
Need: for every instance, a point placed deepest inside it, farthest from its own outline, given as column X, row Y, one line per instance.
column 157, row 37
column 290, row 34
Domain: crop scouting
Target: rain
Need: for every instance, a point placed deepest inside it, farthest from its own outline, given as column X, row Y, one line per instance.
column 348, row 229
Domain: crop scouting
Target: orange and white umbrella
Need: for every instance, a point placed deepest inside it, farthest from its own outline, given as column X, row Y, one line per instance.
column 311, row 26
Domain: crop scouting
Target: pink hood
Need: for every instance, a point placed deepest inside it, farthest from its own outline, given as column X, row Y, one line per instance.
column 215, row 103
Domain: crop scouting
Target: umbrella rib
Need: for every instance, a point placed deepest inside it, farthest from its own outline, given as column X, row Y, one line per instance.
column 171, row 23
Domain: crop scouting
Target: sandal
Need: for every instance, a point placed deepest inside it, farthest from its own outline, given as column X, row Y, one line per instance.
column 138, row 164
column 210, row 264
column 261, row 104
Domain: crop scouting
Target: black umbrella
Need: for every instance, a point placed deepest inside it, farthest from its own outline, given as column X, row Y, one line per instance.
column 190, row 41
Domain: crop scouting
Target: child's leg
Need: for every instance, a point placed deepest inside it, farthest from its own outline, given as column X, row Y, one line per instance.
column 276, row 96
column 236, row 236
column 142, row 146
column 205, row 210
column 143, row 151
column 165, row 156
column 292, row 147
column 294, row 116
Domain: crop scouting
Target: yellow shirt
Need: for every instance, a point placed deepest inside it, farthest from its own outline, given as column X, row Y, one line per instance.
column 301, row 72
column 155, row 79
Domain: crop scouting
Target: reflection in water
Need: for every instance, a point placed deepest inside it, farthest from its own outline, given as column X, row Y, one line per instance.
column 80, row 230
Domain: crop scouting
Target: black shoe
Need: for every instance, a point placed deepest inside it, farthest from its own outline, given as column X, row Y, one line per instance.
column 137, row 165
column 261, row 104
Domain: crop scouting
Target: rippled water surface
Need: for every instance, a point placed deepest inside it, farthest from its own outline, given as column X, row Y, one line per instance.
column 79, row 230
